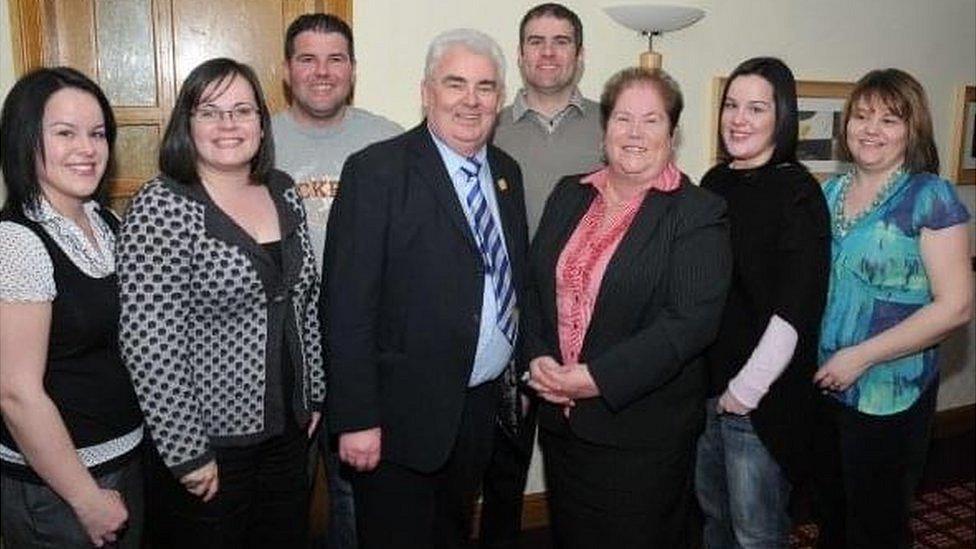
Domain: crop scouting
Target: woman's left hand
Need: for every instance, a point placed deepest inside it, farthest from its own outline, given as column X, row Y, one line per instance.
column 577, row 382
column 841, row 370
column 314, row 423
column 573, row 382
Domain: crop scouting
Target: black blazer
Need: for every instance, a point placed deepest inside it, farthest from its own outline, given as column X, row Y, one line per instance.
column 403, row 289
column 658, row 307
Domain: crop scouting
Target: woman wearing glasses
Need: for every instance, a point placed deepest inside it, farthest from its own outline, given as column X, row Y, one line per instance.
column 219, row 322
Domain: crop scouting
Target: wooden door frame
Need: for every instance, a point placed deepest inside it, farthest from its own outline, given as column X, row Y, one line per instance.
column 31, row 43
column 35, row 45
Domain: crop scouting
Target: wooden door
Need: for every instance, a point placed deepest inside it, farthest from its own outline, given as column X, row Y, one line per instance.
column 139, row 51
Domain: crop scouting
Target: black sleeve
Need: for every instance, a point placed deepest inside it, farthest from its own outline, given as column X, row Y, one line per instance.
column 803, row 250
column 352, row 273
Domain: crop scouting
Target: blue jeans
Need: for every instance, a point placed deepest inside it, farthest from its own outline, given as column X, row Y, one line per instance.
column 743, row 492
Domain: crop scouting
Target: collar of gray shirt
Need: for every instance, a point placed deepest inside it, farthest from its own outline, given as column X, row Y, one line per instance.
column 521, row 108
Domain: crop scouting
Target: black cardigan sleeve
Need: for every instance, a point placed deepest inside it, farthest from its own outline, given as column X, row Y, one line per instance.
column 803, row 250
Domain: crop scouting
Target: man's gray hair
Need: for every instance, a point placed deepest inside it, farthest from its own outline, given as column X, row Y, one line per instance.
column 472, row 40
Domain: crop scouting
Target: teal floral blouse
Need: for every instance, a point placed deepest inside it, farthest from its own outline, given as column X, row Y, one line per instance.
column 877, row 279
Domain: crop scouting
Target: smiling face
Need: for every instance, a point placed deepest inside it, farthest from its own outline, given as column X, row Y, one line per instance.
column 548, row 57
column 228, row 143
column 461, row 98
column 75, row 148
column 876, row 137
column 748, row 121
column 320, row 75
column 638, row 140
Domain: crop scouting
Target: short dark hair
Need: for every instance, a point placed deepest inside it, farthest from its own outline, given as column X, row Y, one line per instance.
column 661, row 81
column 559, row 11
column 22, row 135
column 780, row 78
column 905, row 98
column 178, row 154
column 318, row 22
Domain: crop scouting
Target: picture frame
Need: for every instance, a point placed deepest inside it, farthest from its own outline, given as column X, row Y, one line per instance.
column 963, row 152
column 821, row 106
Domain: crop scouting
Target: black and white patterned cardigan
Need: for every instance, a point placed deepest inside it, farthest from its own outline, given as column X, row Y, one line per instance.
column 203, row 307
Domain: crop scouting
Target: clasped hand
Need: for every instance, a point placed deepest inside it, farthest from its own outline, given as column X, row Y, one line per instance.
column 561, row 384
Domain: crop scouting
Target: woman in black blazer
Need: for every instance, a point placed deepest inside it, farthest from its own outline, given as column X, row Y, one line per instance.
column 628, row 275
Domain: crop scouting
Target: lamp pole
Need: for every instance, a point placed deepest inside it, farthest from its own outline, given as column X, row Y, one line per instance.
column 650, row 59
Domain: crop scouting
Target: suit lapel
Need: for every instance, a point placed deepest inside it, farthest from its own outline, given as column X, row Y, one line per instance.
column 430, row 169
column 220, row 226
column 644, row 227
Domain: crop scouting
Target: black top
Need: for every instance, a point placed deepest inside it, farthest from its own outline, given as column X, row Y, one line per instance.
column 84, row 375
column 780, row 230
column 286, row 364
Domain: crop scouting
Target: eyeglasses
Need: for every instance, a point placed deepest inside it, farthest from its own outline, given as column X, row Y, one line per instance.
column 240, row 113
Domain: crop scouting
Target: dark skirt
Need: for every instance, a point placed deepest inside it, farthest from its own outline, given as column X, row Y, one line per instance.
column 601, row 496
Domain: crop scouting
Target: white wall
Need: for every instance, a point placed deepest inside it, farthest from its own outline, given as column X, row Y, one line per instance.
column 822, row 40
column 840, row 40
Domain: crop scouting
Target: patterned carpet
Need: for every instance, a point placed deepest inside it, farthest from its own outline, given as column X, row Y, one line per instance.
column 941, row 519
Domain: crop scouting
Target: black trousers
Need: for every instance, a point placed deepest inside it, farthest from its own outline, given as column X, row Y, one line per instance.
column 398, row 507
column 867, row 472
column 503, row 487
column 262, row 500
column 624, row 498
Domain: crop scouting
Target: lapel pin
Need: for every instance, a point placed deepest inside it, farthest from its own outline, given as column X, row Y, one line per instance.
column 502, row 184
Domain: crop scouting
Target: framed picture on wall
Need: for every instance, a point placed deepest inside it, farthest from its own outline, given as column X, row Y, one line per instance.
column 820, row 106
column 963, row 151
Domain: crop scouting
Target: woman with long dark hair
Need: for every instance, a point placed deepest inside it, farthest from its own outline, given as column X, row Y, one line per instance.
column 72, row 430
column 757, row 440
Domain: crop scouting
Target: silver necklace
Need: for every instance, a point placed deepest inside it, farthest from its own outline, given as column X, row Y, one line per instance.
column 842, row 224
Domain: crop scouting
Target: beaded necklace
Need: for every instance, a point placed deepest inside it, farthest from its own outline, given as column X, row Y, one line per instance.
column 843, row 224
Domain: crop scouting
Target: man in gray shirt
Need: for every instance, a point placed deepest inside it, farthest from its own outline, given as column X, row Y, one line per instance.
column 550, row 128
column 320, row 129
column 312, row 138
column 552, row 131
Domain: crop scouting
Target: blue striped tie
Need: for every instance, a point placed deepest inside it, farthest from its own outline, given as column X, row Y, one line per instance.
column 492, row 251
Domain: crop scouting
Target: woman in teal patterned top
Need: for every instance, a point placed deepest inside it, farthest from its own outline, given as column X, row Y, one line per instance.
column 900, row 281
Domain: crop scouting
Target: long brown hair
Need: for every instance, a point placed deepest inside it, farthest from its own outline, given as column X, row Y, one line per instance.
column 905, row 98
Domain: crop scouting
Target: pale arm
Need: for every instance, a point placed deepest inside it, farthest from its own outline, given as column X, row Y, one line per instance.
column 36, row 424
column 945, row 253
column 767, row 362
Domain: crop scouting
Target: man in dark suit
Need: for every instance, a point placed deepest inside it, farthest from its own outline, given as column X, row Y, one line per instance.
column 423, row 276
